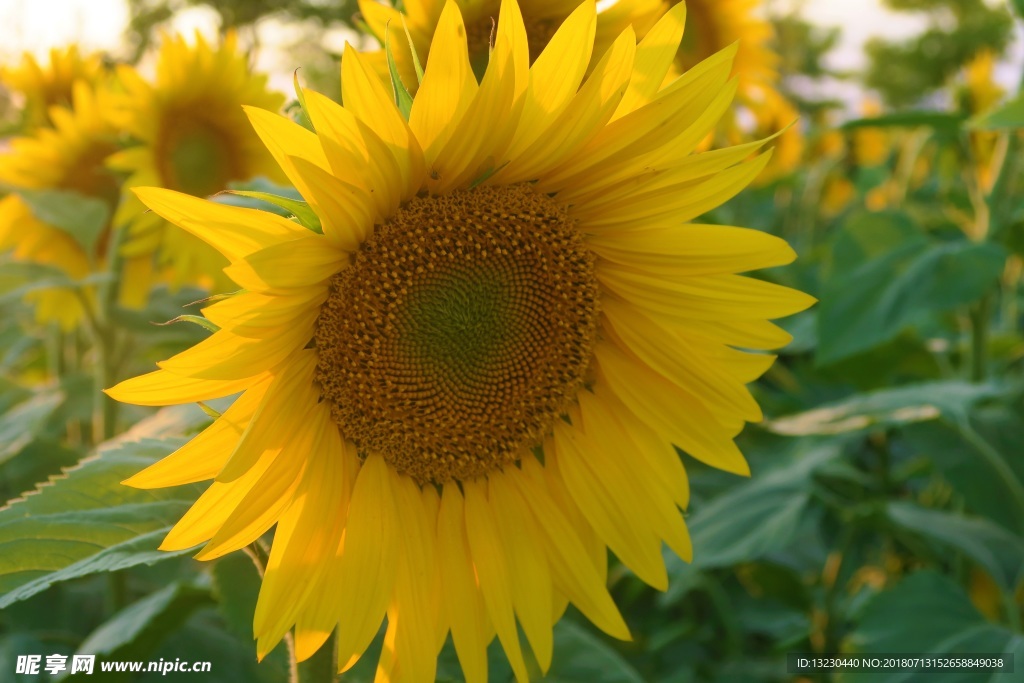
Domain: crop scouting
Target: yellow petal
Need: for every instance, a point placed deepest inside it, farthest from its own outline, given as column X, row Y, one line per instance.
column 654, row 56
column 693, row 249
column 163, row 388
column 675, row 360
column 704, row 297
column 633, row 541
column 204, row 456
column 226, row 356
column 471, row 629
column 369, row 559
column 493, row 572
column 233, row 231
column 555, row 77
column 286, row 139
column 675, row 415
column 491, row 118
column 448, row 85
column 367, row 99
column 303, row 262
column 306, row 539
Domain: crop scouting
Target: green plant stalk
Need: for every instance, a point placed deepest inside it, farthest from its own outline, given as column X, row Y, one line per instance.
column 105, row 339
column 260, row 556
column 322, row 666
column 996, row 461
column 980, row 318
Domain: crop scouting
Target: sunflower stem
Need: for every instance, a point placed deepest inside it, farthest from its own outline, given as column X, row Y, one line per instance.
column 105, row 339
column 321, row 667
column 996, row 461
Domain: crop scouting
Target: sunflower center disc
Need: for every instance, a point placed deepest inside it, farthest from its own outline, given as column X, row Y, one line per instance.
column 460, row 332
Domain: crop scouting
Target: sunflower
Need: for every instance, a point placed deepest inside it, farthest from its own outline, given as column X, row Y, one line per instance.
column 978, row 94
column 44, row 86
column 193, row 137
column 69, row 157
column 468, row 386
column 542, row 18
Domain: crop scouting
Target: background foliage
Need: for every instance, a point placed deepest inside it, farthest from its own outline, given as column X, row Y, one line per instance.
column 886, row 509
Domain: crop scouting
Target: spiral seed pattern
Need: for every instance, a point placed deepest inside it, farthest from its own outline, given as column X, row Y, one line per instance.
column 461, row 331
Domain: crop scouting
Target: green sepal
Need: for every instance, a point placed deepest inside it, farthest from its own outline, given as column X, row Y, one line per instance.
column 301, row 97
column 415, row 57
column 194, row 319
column 306, row 217
column 403, row 100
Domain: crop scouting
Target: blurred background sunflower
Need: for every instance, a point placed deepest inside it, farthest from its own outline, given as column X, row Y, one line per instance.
column 188, row 133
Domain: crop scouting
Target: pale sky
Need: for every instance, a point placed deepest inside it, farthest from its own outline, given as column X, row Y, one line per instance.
column 37, row 25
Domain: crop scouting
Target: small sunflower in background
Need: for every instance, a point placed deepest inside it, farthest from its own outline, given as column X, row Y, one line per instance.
column 542, row 18
column 979, row 93
column 192, row 136
column 46, row 85
column 70, row 157
column 713, row 25
column 463, row 385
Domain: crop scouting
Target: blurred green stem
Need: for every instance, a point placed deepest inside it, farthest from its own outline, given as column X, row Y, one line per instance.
column 105, row 341
column 260, row 556
column 980, row 315
column 996, row 461
column 321, row 667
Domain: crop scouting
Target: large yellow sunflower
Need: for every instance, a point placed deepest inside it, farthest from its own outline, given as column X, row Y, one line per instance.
column 192, row 137
column 542, row 18
column 68, row 157
column 46, row 85
column 469, row 385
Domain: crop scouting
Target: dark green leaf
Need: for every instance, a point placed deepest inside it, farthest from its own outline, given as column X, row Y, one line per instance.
column 85, row 521
column 22, row 423
column 137, row 630
column 937, row 120
column 990, row 545
column 928, row 613
column 236, row 585
column 83, row 218
column 876, row 301
column 750, row 520
column 581, row 657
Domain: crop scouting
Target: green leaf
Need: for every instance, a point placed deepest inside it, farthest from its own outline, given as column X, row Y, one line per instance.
column 887, row 407
column 83, row 218
column 928, row 613
column 1018, row 5
column 751, row 519
column 940, row 121
column 236, row 586
column 31, row 277
column 22, row 423
column 876, row 301
column 402, row 97
column 582, row 657
column 85, row 521
column 998, row 551
column 1009, row 116
column 137, row 630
